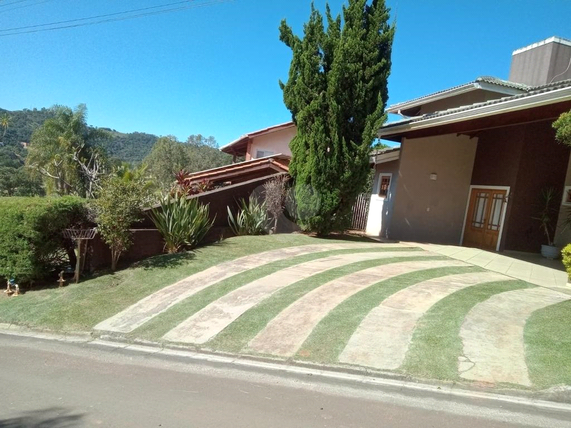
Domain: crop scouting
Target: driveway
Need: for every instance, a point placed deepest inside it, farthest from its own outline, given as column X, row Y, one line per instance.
column 429, row 311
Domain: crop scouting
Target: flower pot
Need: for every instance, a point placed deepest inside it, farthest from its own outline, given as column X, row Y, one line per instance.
column 550, row 252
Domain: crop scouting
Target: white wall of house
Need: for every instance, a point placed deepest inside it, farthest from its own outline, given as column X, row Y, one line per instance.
column 273, row 143
column 381, row 207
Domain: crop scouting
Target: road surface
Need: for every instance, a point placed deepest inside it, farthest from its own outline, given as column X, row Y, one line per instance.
column 52, row 384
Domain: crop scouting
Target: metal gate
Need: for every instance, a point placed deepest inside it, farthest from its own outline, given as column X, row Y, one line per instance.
column 360, row 212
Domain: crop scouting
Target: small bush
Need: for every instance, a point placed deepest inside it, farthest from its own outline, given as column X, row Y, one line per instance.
column 252, row 219
column 566, row 253
column 31, row 235
column 182, row 222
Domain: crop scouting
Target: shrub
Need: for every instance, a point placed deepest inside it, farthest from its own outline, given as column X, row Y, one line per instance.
column 31, row 235
column 117, row 207
column 182, row 222
column 252, row 218
column 276, row 191
column 566, row 253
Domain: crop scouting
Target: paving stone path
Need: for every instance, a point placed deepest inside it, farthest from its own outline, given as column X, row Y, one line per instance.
column 157, row 303
column 285, row 334
column 492, row 335
column 383, row 337
column 376, row 334
column 207, row 323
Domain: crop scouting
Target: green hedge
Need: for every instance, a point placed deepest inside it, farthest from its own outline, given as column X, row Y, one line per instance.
column 31, row 240
column 566, row 253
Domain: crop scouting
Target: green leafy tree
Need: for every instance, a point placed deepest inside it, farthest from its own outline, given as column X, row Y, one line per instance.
column 169, row 156
column 15, row 180
column 166, row 159
column 68, row 154
column 337, row 93
column 562, row 128
column 118, row 207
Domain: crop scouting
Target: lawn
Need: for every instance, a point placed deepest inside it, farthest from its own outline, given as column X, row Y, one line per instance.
column 79, row 307
column 433, row 351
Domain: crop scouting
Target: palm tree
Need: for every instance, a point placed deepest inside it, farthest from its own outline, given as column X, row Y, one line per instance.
column 5, row 123
column 65, row 151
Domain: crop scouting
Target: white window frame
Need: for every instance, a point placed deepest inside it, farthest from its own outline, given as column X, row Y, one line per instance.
column 503, row 215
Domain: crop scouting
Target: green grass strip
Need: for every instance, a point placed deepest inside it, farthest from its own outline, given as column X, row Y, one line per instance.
column 79, row 307
column 237, row 335
column 436, row 343
column 547, row 338
column 331, row 335
column 161, row 324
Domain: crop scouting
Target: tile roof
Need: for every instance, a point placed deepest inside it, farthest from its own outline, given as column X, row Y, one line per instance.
column 279, row 163
column 530, row 91
column 500, row 83
column 244, row 138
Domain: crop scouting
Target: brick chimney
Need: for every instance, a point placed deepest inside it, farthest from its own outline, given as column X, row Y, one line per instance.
column 542, row 63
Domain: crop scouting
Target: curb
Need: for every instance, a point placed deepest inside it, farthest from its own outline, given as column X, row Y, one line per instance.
column 278, row 367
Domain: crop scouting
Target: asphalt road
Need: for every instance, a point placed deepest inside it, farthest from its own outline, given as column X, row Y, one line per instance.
column 52, row 384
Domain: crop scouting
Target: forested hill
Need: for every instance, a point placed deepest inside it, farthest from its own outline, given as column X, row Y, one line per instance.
column 22, row 124
column 132, row 147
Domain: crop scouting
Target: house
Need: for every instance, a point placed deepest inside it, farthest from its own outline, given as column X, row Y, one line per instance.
column 263, row 143
column 474, row 158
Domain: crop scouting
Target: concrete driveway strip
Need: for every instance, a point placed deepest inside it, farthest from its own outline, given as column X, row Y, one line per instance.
column 207, row 323
column 384, row 336
column 285, row 334
column 151, row 306
column 492, row 335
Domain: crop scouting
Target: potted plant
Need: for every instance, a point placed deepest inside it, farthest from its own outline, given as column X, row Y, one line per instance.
column 547, row 217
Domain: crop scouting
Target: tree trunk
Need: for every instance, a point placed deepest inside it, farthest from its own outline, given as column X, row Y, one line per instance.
column 114, row 259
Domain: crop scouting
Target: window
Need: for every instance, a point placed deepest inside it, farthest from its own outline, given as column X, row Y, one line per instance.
column 384, row 185
column 263, row 153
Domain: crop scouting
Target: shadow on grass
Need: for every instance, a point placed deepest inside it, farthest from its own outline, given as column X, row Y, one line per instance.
column 54, row 417
column 171, row 260
column 165, row 261
column 348, row 237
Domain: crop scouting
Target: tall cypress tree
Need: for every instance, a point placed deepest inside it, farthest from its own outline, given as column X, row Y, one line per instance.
column 337, row 93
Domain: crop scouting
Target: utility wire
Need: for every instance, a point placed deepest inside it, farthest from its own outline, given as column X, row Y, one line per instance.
column 96, row 17
column 13, row 2
column 23, row 6
column 76, row 22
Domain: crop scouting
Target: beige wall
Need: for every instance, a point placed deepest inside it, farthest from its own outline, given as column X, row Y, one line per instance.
column 433, row 211
column 563, row 233
column 276, row 142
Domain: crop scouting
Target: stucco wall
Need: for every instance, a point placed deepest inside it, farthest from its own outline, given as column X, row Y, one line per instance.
column 380, row 209
column 426, row 210
column 276, row 142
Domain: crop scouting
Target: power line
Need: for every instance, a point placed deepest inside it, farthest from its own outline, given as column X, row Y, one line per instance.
column 22, row 6
column 34, row 29
column 95, row 17
column 13, row 2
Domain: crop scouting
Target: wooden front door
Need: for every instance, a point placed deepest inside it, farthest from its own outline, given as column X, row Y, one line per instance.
column 484, row 219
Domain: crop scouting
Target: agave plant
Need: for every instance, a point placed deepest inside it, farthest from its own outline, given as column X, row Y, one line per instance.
column 182, row 222
column 252, row 218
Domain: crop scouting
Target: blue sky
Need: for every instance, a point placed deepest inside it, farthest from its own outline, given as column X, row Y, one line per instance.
column 214, row 69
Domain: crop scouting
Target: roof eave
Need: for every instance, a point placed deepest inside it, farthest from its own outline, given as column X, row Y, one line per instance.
column 458, row 90
column 396, row 129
